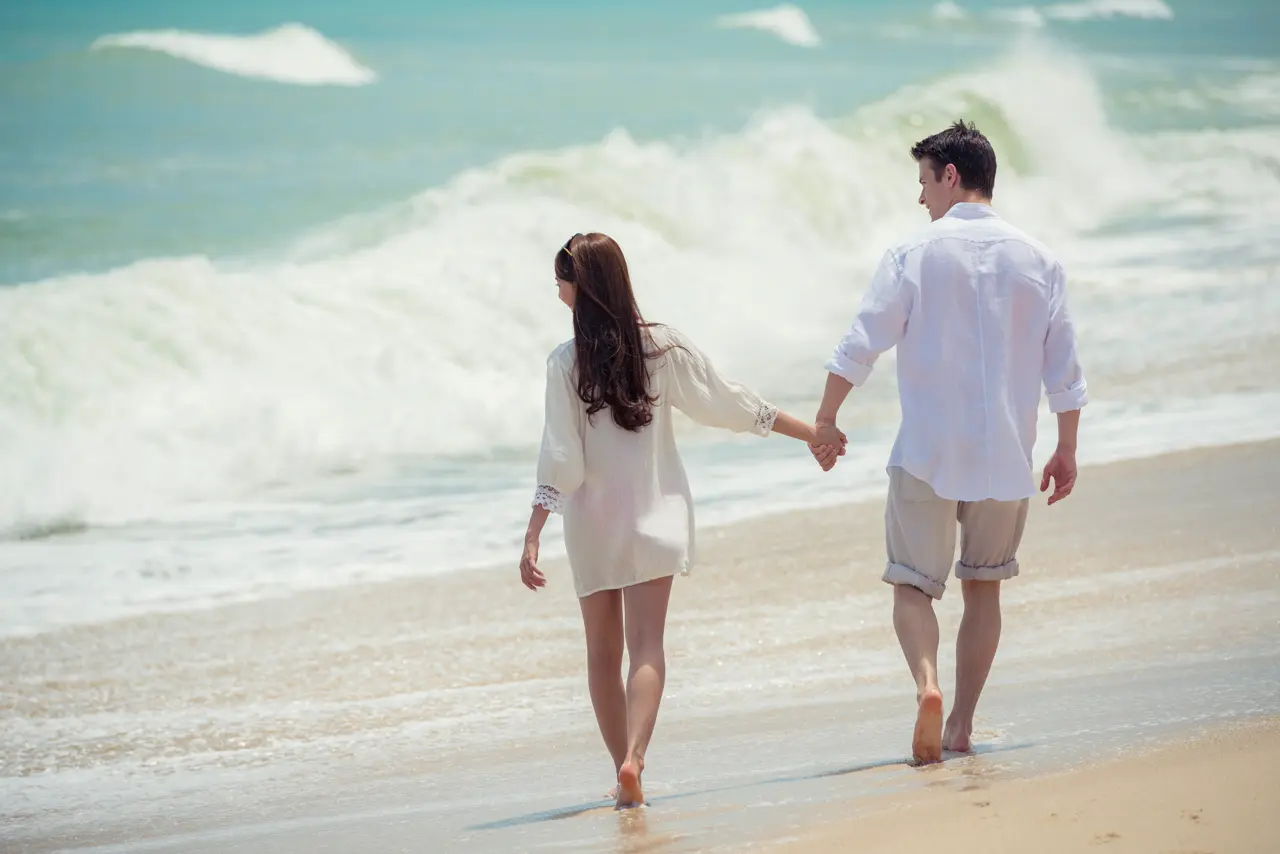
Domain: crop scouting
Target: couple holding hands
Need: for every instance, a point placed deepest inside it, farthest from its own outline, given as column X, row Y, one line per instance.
column 977, row 310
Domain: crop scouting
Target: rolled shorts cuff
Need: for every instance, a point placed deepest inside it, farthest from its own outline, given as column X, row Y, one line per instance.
column 896, row 573
column 1003, row 572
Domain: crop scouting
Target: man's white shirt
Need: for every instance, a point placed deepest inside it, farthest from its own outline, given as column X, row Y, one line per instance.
column 978, row 312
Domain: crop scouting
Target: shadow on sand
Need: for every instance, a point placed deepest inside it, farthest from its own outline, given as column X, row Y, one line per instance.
column 603, row 805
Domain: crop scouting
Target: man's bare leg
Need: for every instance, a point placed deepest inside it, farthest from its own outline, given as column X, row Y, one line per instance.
column 602, row 619
column 646, row 620
column 917, row 628
column 976, row 645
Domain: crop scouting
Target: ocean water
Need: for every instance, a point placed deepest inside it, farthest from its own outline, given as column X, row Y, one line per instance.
column 275, row 283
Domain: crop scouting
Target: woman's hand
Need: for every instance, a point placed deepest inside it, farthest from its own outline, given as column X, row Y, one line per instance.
column 529, row 572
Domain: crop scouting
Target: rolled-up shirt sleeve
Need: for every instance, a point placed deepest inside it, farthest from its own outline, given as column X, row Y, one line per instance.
column 879, row 325
column 1064, row 382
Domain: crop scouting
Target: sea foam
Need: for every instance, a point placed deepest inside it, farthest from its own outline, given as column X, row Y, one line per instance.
column 787, row 22
column 292, row 53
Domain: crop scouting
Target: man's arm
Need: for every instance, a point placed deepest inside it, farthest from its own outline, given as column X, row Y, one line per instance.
column 1067, row 390
column 833, row 397
column 1061, row 468
column 1062, row 375
column 837, row 390
column 879, row 325
column 1068, row 430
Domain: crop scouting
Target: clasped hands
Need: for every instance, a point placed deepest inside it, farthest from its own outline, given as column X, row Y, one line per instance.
column 830, row 444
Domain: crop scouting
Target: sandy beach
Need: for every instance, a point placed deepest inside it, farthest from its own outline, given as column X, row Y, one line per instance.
column 450, row 712
column 1215, row 792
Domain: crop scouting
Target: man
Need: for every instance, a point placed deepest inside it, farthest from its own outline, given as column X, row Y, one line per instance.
column 978, row 312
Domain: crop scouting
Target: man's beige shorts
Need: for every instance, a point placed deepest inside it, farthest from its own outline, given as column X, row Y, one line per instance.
column 920, row 533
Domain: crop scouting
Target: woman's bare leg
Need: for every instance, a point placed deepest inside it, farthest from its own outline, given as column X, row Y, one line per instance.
column 646, row 620
column 602, row 619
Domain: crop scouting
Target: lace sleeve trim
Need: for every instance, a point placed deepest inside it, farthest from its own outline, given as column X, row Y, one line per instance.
column 766, row 414
column 550, row 498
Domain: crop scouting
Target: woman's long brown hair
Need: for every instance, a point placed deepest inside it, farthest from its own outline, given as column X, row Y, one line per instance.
column 608, row 331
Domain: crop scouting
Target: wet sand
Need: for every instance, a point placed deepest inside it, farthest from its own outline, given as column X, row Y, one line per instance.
column 450, row 712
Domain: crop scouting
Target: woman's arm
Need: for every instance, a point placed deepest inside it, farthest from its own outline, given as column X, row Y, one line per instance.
column 704, row 395
column 561, row 463
column 820, row 434
column 529, row 572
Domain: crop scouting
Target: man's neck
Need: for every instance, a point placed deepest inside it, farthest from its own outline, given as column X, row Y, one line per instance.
column 971, row 197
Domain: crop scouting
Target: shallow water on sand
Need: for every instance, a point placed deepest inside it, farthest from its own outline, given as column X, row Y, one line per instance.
column 729, row 783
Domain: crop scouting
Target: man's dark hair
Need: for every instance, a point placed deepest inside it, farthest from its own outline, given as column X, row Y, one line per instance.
column 964, row 147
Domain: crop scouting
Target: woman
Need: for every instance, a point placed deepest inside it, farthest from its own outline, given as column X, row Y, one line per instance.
column 609, row 463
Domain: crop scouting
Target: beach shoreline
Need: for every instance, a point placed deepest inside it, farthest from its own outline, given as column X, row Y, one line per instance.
column 278, row 725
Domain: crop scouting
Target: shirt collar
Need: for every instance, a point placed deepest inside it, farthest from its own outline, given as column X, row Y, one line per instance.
column 971, row 210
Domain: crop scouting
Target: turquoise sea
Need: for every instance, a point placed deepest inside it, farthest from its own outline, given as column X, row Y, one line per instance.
column 275, row 278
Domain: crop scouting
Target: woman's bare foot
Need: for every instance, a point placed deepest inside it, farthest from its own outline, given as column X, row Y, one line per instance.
column 926, row 744
column 956, row 737
column 629, row 791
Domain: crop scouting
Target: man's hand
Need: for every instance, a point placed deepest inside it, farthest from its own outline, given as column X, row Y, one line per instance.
column 830, row 445
column 1061, row 468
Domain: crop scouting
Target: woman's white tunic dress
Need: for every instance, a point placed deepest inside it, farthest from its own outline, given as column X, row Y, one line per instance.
column 628, row 512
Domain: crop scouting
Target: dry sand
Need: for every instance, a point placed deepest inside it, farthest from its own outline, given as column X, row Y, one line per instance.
column 1216, row 794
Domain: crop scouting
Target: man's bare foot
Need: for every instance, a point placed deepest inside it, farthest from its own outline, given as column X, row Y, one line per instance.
column 956, row 737
column 629, row 792
column 612, row 794
column 926, row 744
